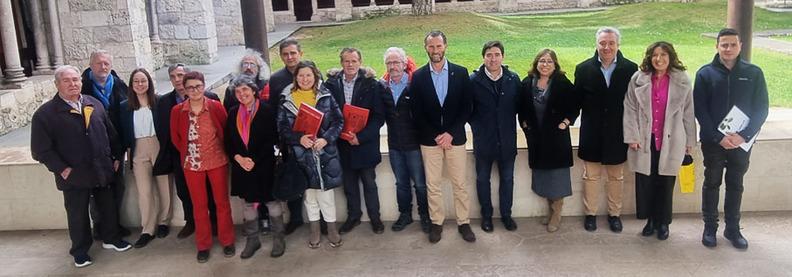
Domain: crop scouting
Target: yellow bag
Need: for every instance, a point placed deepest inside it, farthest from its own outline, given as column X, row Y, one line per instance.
column 687, row 175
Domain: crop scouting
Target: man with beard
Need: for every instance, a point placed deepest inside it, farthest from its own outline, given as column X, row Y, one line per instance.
column 251, row 64
column 441, row 108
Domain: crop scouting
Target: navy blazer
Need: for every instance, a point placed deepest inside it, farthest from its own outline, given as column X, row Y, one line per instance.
column 431, row 118
column 366, row 94
column 494, row 115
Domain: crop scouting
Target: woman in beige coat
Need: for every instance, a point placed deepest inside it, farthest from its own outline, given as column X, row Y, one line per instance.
column 659, row 127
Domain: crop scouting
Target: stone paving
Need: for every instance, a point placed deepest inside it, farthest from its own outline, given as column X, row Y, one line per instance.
column 529, row 251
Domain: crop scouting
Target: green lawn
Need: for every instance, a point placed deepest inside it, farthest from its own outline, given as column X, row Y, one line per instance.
column 571, row 35
column 785, row 38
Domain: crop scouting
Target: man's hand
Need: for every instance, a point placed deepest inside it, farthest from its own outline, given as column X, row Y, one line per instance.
column 736, row 139
column 116, row 165
column 307, row 141
column 726, row 143
column 65, row 173
column 319, row 144
column 444, row 140
column 354, row 140
column 635, row 146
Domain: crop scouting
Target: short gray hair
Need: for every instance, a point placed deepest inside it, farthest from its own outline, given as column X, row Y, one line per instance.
column 610, row 30
column 62, row 69
column 98, row 52
column 397, row 51
column 175, row 66
column 244, row 80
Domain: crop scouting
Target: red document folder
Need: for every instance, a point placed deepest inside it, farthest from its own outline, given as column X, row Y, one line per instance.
column 308, row 120
column 355, row 119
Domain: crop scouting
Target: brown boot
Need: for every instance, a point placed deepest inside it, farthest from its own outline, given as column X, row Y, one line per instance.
column 278, row 240
column 555, row 215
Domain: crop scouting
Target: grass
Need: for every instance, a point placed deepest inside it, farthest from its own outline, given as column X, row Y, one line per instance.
column 784, row 38
column 571, row 35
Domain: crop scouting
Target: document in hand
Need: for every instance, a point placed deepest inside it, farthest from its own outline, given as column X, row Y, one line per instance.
column 355, row 119
column 308, row 120
column 736, row 120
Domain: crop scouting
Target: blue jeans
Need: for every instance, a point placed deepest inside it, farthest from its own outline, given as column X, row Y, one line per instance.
column 408, row 165
column 505, row 191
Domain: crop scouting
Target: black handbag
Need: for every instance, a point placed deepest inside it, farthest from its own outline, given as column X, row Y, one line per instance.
column 290, row 179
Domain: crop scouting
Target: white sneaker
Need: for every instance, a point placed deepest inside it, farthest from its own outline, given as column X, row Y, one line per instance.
column 119, row 246
column 82, row 261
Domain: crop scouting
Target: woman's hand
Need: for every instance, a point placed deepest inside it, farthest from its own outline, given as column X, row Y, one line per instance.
column 635, row 146
column 244, row 162
column 319, row 144
column 563, row 125
column 307, row 141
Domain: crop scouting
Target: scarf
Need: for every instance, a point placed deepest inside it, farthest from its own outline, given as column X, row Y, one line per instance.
column 243, row 121
column 108, row 89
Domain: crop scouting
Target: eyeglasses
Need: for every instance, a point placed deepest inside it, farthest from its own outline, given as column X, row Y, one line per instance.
column 249, row 65
column 198, row 87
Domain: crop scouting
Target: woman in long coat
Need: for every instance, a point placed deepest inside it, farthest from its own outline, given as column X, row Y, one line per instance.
column 251, row 134
column 659, row 128
column 545, row 115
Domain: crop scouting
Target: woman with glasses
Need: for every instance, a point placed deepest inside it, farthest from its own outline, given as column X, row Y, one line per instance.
column 197, row 130
column 545, row 114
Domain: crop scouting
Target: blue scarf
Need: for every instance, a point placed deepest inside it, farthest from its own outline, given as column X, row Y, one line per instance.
column 108, row 89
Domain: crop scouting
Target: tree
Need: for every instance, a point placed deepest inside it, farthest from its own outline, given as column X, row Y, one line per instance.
column 422, row 7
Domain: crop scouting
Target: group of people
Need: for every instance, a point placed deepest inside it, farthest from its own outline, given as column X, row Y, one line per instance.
column 643, row 115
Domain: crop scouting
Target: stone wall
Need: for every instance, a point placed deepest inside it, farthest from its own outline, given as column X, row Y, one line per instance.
column 17, row 105
column 187, row 30
column 228, row 19
column 119, row 27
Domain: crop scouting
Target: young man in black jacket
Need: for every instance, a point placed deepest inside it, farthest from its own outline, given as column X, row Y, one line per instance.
column 441, row 108
column 726, row 83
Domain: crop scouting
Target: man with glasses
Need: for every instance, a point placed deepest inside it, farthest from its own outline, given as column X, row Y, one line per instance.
column 251, row 64
column 168, row 158
column 601, row 83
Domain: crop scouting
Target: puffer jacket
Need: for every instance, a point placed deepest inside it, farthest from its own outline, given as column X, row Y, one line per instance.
column 322, row 168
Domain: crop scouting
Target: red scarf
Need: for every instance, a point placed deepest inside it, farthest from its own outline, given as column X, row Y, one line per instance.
column 243, row 121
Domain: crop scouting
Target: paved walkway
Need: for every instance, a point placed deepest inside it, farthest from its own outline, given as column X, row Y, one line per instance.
column 763, row 39
column 529, row 251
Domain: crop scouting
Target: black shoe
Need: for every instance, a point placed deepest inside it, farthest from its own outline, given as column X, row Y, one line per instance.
column 615, row 224
column 648, row 229
column 143, row 240
column 82, row 260
column 662, row 231
column 401, row 223
column 736, row 238
column 467, row 233
column 509, row 223
column 486, row 225
column 349, row 225
column 426, row 224
column 203, row 256
column 118, row 246
column 590, row 223
column 377, row 226
column 229, row 251
column 186, row 231
column 435, row 233
column 292, row 226
column 709, row 239
column 163, row 231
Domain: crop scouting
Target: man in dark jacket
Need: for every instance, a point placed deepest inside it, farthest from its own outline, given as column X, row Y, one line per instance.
column 495, row 93
column 359, row 152
column 441, row 108
column 168, row 158
column 102, row 82
column 601, row 82
column 404, row 152
column 728, row 82
column 290, row 54
column 73, row 137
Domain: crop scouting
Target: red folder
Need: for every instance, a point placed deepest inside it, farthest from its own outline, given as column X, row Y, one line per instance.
column 308, row 120
column 355, row 119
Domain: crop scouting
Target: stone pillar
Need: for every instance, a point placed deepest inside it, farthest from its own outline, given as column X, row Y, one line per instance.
column 187, row 31
column 13, row 71
column 40, row 38
column 120, row 27
column 373, row 3
column 343, row 10
column 228, row 21
column 255, row 26
column 55, row 34
column 153, row 21
column 315, row 10
column 291, row 6
column 270, row 19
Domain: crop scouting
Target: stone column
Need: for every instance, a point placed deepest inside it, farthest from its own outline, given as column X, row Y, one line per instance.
column 270, row 19
column 373, row 3
column 254, row 24
column 153, row 21
column 343, row 10
column 55, row 34
column 13, row 70
column 314, row 10
column 188, row 31
column 40, row 38
column 291, row 6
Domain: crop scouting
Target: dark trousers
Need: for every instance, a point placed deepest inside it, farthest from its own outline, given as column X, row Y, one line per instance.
column 184, row 195
column 76, row 204
column 352, row 192
column 295, row 210
column 505, row 190
column 654, row 193
column 408, row 165
column 716, row 159
column 117, row 188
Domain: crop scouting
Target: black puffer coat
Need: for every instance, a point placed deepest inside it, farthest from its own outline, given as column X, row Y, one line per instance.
column 323, row 168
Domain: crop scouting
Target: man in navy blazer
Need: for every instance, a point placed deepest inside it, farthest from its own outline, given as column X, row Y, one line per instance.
column 441, row 107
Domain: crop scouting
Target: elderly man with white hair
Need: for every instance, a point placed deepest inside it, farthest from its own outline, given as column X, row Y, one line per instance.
column 72, row 136
column 251, row 64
